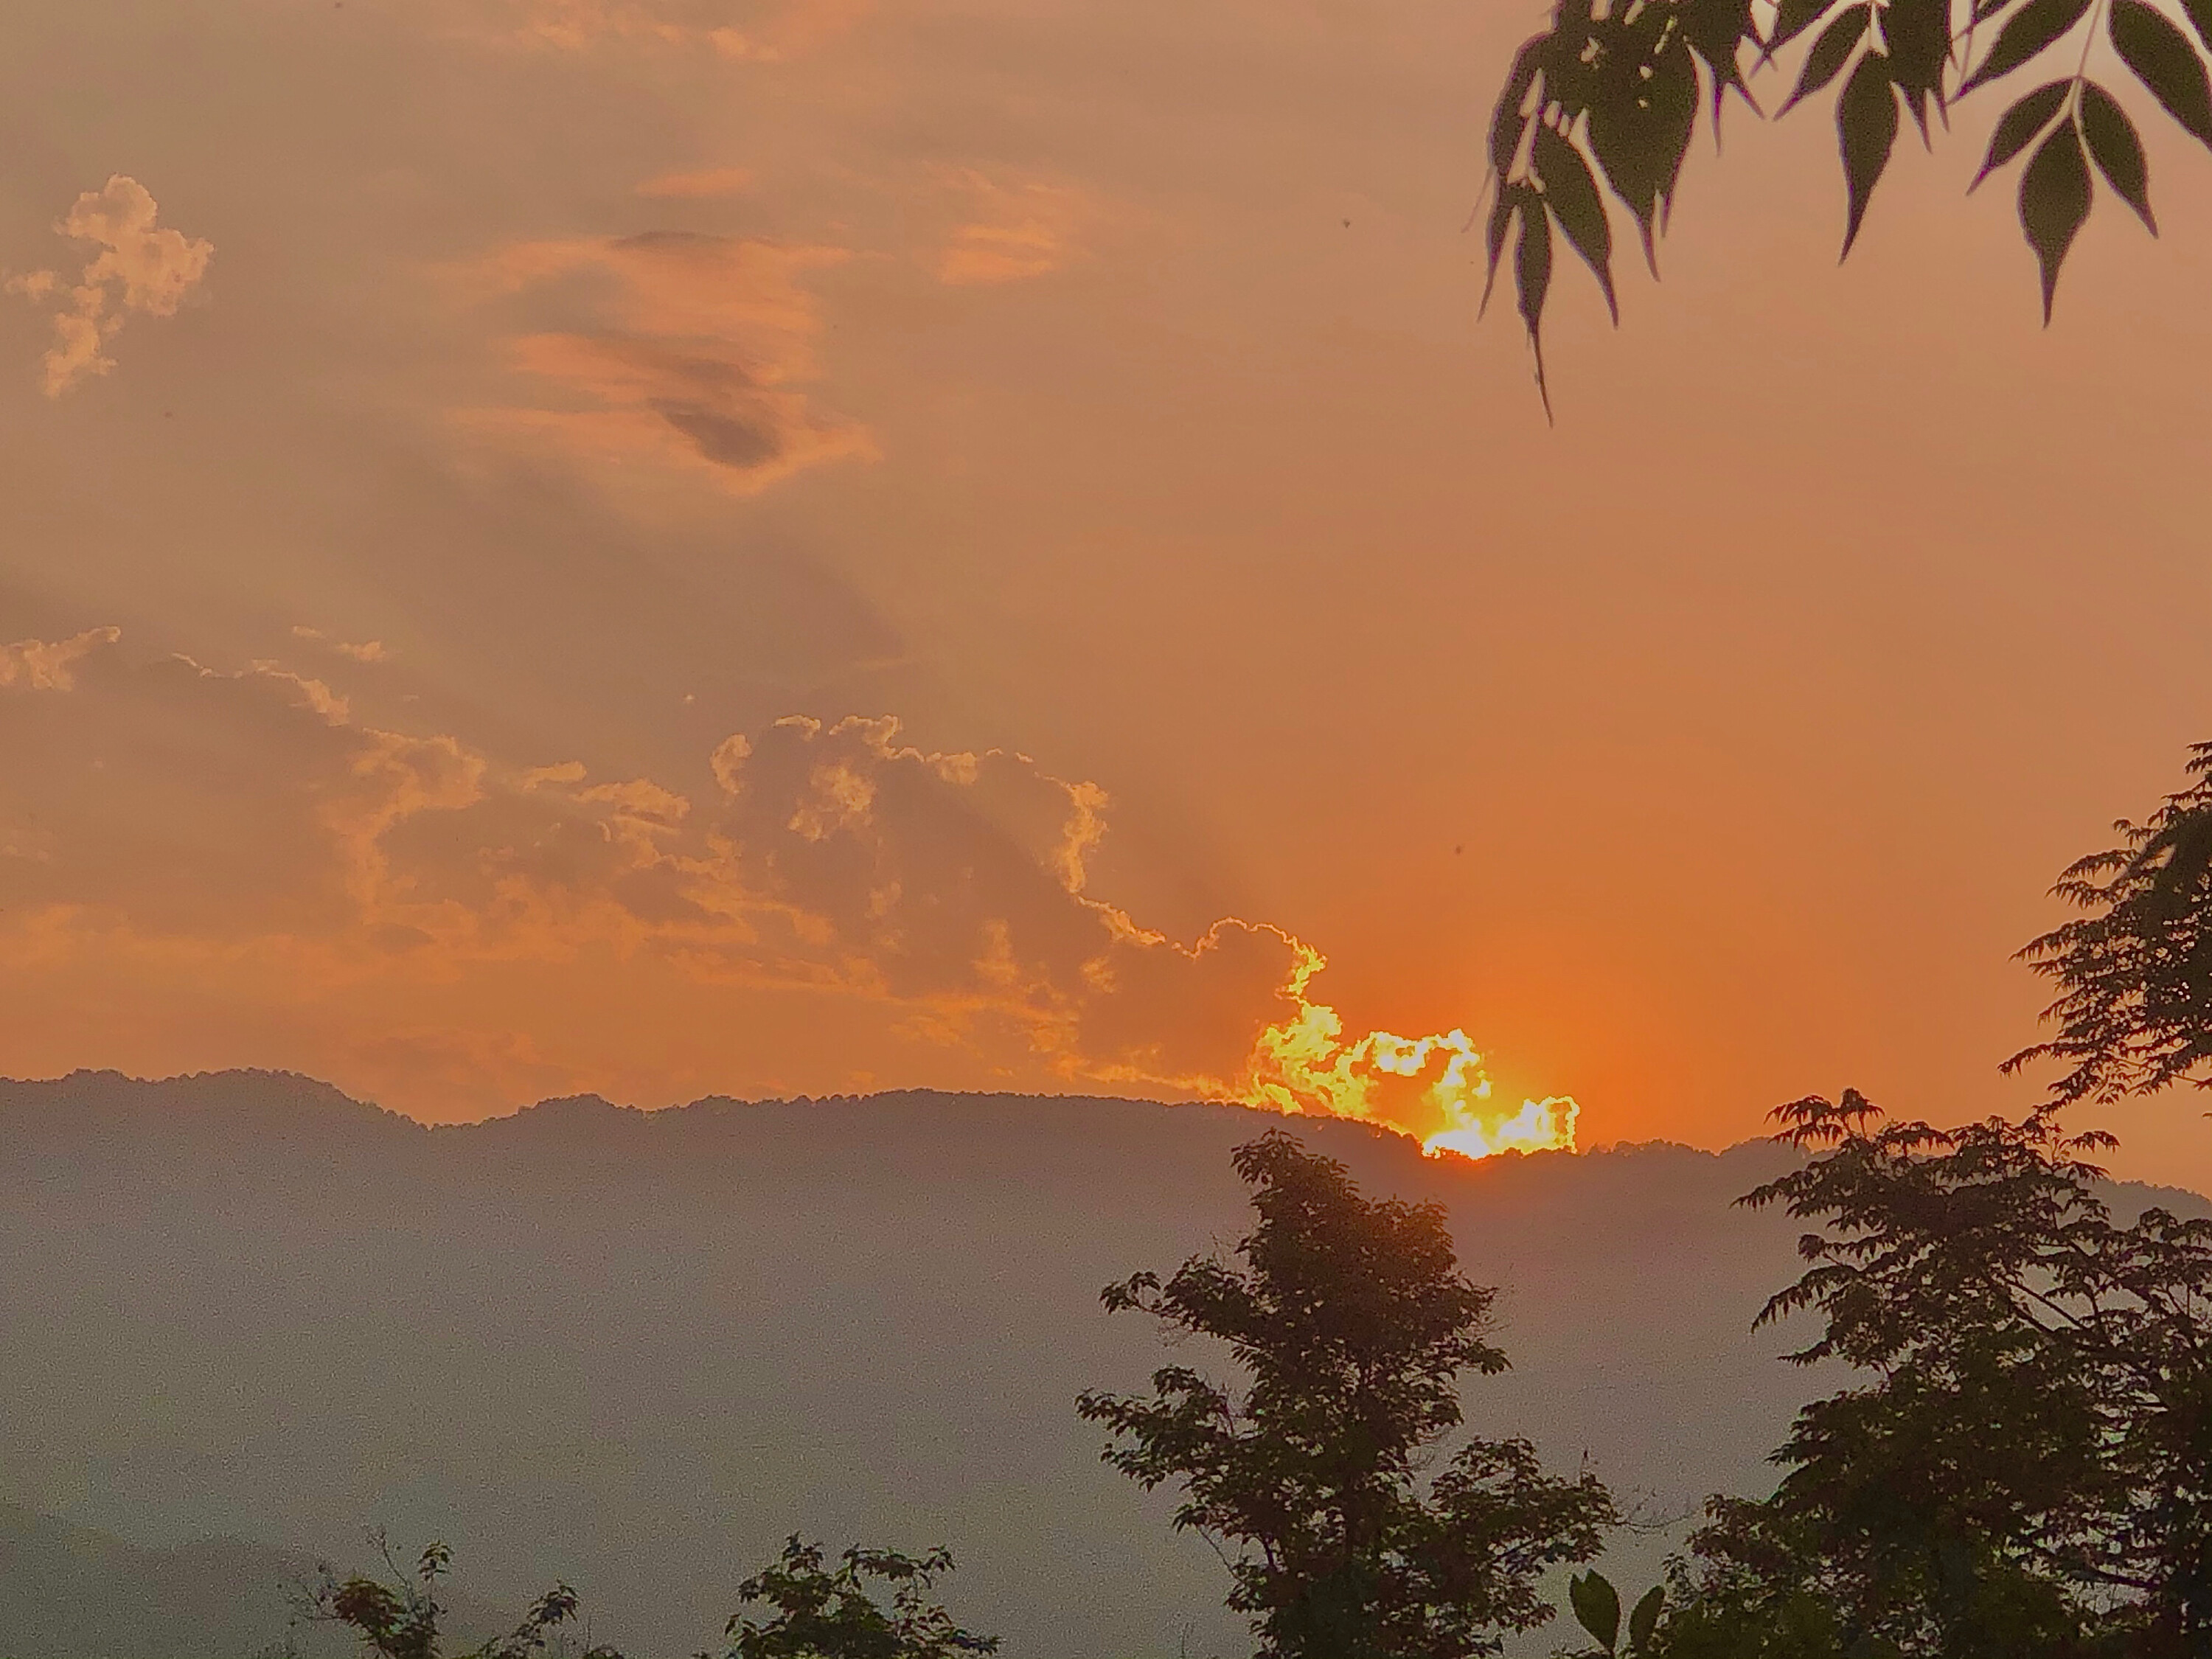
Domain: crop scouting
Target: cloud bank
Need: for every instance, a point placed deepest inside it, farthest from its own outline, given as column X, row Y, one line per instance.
column 455, row 932
column 140, row 269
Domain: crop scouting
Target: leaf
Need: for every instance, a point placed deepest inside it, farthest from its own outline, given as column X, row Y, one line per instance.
column 1645, row 1618
column 1572, row 196
column 1866, row 128
column 2117, row 152
column 1640, row 126
column 1532, row 277
column 1597, row 1606
column 1826, row 59
column 2019, row 124
column 1501, row 216
column 1507, row 123
column 1917, row 33
column 2054, row 200
column 1792, row 18
column 2025, row 33
column 2164, row 61
column 2200, row 18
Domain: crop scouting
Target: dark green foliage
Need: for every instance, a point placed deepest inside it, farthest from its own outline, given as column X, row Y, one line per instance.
column 2027, row 1472
column 825, row 1614
column 1617, row 84
column 2134, row 1010
column 1597, row 1608
column 1353, row 1325
column 399, row 1619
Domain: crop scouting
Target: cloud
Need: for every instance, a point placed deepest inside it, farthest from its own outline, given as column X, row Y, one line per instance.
column 766, row 31
column 140, row 269
column 464, row 929
column 37, row 666
column 366, row 651
column 704, row 184
column 687, row 351
column 1010, row 230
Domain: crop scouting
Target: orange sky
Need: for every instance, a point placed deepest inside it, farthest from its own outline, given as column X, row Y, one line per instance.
column 470, row 416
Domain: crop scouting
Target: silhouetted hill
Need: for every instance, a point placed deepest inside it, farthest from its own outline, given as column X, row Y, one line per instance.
column 636, row 1349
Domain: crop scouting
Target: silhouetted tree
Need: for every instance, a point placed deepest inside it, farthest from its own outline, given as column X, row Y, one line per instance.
column 399, row 1619
column 821, row 1613
column 2134, row 1012
column 1613, row 89
column 2029, row 1473
column 1353, row 1326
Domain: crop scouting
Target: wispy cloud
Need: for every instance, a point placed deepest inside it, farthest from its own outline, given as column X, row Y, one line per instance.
column 687, row 349
column 140, row 269
column 1009, row 231
column 706, row 184
column 768, row 30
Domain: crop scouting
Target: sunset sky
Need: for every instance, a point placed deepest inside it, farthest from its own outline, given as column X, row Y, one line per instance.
column 671, row 547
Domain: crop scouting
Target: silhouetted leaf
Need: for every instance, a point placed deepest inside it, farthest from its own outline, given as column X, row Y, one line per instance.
column 1640, row 124
column 1919, row 36
column 2054, row 200
column 1532, row 276
column 1597, row 1606
column 2200, row 18
column 2164, row 61
column 2025, row 33
column 1507, row 123
column 1573, row 197
column 1645, row 1618
column 1716, row 31
column 1866, row 128
column 2018, row 125
column 1501, row 220
column 1792, row 18
column 2117, row 152
column 1830, row 53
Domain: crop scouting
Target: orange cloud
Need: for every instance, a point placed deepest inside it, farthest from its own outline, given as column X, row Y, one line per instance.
column 140, row 269
column 704, row 184
column 1011, row 231
column 692, row 353
column 455, row 925
column 768, row 30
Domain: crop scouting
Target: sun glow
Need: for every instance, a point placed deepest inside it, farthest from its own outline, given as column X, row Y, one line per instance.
column 1432, row 1086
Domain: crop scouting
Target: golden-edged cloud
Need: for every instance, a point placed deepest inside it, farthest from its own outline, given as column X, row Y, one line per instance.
column 139, row 268
column 240, row 843
column 682, row 350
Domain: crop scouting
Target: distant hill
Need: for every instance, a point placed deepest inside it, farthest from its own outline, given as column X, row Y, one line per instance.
column 635, row 1350
column 67, row 1590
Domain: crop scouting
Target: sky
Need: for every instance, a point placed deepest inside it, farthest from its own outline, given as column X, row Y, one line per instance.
column 763, row 547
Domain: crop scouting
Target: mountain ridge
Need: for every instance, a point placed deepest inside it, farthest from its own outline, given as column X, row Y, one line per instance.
column 635, row 1349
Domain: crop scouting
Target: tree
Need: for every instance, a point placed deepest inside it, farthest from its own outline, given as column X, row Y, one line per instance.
column 400, row 1619
column 2028, row 1472
column 2134, row 1010
column 1613, row 89
column 1353, row 1326
column 822, row 1613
